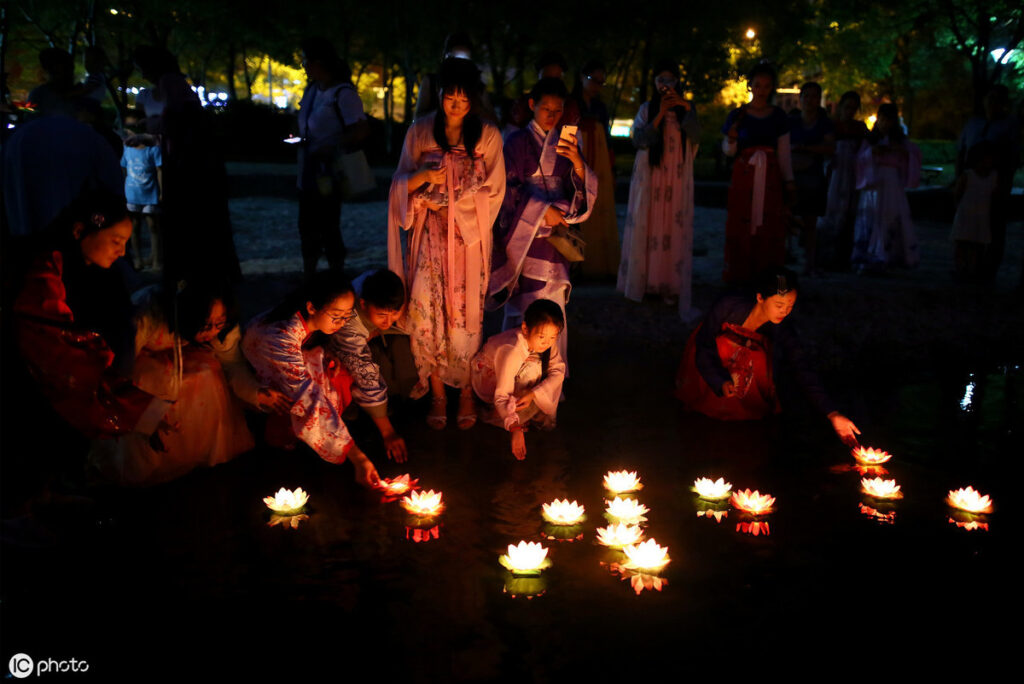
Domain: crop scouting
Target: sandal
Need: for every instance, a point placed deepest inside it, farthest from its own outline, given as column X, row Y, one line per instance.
column 437, row 419
column 466, row 420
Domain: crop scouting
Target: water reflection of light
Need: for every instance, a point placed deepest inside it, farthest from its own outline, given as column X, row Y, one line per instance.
column 754, row 527
column 965, row 403
column 617, row 536
column 525, row 558
column 870, row 455
column 525, row 587
column 621, row 481
column 711, row 513
column 628, row 511
column 563, row 512
column 970, row 525
column 970, row 500
column 562, row 533
column 881, row 489
column 713, row 490
column 887, row 516
column 639, row 580
column 426, row 504
column 287, row 502
column 287, row 521
column 753, row 501
column 423, row 534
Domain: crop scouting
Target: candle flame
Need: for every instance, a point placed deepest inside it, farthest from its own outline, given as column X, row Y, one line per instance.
column 753, row 501
column 881, row 489
column 970, row 500
column 426, row 503
column 714, row 490
column 870, row 455
column 618, row 482
column 627, row 511
column 646, row 556
column 526, row 558
column 286, row 501
column 619, row 535
column 563, row 512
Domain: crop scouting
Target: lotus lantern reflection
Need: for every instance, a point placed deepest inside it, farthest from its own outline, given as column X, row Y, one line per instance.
column 628, row 511
column 287, row 502
column 621, row 481
column 291, row 522
column 619, row 535
column 397, row 486
column 646, row 556
column 525, row 558
column 753, row 501
column 425, row 504
column 713, row 490
column 881, row 489
column 563, row 512
column 870, row 455
column 754, row 527
column 970, row 500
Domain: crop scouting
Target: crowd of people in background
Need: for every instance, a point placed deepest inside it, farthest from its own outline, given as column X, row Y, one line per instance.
column 492, row 206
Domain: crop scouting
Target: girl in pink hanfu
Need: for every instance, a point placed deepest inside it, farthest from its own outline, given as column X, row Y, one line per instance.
column 446, row 192
column 519, row 373
column 277, row 344
column 887, row 164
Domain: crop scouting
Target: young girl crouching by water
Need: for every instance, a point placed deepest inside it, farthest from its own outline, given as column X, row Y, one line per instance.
column 519, row 373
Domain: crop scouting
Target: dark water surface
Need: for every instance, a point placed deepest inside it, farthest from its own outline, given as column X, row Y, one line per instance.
column 189, row 578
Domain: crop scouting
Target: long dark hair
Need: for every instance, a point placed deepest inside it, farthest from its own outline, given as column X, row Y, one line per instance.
column 323, row 288
column 890, row 111
column 657, row 148
column 193, row 303
column 459, row 75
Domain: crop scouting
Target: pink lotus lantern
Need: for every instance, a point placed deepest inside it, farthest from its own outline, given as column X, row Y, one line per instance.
column 628, row 511
column 712, row 490
column 753, row 502
column 881, row 489
column 424, row 504
column 563, row 512
column 621, row 481
column 397, row 486
column 525, row 558
column 647, row 556
column 970, row 500
column 617, row 536
column 870, row 455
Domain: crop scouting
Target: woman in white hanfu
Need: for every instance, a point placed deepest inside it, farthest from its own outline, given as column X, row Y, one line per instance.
column 657, row 247
column 446, row 192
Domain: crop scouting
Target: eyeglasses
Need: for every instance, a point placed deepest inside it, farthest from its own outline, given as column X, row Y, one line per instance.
column 341, row 319
column 212, row 326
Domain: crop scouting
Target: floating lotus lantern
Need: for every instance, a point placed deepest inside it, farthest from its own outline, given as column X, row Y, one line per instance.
column 287, row 521
column 881, row 489
column 753, row 501
column 397, row 486
column 712, row 490
column 525, row 558
column 619, row 535
column 563, row 512
column 621, row 481
column 628, row 511
column 287, row 502
column 422, row 534
column 647, row 556
column 881, row 514
column 970, row 500
column 424, row 504
column 754, row 527
column 870, row 455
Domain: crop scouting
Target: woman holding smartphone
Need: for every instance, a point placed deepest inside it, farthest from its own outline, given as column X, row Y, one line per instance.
column 657, row 248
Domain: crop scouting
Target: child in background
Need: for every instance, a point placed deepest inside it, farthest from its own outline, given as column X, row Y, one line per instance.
column 972, row 229
column 143, row 190
column 519, row 373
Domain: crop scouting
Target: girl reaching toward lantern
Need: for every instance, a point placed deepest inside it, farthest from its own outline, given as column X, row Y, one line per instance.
column 729, row 362
column 288, row 356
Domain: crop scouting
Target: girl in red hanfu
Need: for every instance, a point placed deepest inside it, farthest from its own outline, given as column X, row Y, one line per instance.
column 728, row 364
column 757, row 134
column 73, row 325
column 283, row 347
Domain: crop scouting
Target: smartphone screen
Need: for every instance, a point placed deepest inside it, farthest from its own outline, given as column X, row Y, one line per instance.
column 293, row 139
